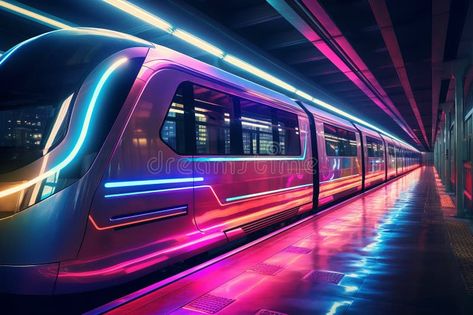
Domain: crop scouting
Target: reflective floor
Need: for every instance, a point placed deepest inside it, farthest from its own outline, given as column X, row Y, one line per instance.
column 386, row 252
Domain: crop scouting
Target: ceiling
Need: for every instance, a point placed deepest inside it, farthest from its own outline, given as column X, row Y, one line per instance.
column 379, row 59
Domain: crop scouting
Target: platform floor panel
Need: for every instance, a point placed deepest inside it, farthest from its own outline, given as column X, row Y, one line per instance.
column 384, row 252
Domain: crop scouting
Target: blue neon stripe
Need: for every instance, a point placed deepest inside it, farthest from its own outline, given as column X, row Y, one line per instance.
column 153, row 182
column 4, row 56
column 265, row 193
column 134, row 193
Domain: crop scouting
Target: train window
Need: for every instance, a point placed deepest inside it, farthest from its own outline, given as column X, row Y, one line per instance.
column 390, row 150
column 375, row 147
column 224, row 125
column 257, row 127
column 339, row 141
column 212, row 111
column 173, row 131
column 267, row 130
column 288, row 137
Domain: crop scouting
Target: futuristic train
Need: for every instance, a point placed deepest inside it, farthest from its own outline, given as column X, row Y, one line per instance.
column 119, row 157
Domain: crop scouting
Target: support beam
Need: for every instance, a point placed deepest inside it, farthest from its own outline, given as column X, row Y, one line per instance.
column 383, row 18
column 459, row 75
column 440, row 16
column 447, row 154
column 311, row 20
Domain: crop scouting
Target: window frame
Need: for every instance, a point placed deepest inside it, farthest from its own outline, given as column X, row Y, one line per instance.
column 236, row 129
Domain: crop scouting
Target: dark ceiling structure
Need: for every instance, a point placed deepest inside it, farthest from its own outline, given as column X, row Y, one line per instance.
column 380, row 59
column 376, row 55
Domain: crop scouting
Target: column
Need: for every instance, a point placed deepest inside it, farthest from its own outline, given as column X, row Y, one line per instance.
column 459, row 142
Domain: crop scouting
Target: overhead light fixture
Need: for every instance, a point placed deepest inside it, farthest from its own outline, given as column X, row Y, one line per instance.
column 198, row 42
column 30, row 14
column 258, row 72
column 141, row 14
column 305, row 95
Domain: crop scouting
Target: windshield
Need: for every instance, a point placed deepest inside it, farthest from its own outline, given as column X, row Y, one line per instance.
column 38, row 81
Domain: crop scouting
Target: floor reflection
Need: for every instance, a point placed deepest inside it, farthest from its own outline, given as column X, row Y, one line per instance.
column 383, row 252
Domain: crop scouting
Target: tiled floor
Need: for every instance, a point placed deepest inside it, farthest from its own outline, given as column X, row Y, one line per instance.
column 386, row 252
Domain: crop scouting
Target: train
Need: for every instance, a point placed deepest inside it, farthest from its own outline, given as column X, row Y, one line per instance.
column 120, row 157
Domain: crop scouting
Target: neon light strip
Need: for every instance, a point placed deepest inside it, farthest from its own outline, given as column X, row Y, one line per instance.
column 83, row 133
column 257, row 158
column 258, row 72
column 149, row 18
column 146, row 192
column 12, row 50
column 153, row 182
column 199, row 43
column 265, row 193
column 35, row 16
column 142, row 14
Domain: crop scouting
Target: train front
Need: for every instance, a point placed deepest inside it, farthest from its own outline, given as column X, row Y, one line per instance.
column 60, row 96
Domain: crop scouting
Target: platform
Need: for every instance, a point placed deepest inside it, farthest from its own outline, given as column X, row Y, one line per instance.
column 388, row 251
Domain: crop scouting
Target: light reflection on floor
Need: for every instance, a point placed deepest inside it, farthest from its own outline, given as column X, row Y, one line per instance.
column 384, row 253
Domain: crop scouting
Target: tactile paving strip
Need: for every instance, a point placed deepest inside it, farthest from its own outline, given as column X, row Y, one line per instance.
column 461, row 241
column 269, row 312
column 209, row 304
column 265, row 269
column 297, row 250
column 324, row 276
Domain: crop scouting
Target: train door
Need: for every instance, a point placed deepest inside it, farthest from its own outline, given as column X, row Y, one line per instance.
column 374, row 157
column 340, row 159
column 398, row 160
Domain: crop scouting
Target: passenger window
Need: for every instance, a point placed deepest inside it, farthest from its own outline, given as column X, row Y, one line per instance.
column 375, row 147
column 339, row 141
column 204, row 121
column 173, row 131
column 288, row 133
column 267, row 130
column 213, row 112
column 257, row 128
column 390, row 150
